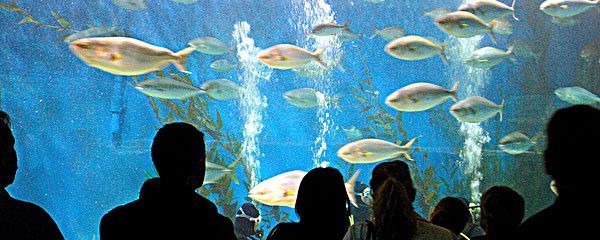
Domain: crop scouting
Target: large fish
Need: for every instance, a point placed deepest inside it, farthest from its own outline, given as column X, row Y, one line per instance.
column 463, row 24
column 287, row 56
column 567, row 8
column 282, row 190
column 488, row 57
column 329, row 29
column 222, row 65
column 167, row 88
column 374, row 150
column 389, row 33
column 221, row 89
column 489, row 10
column 577, row 95
column 476, row 109
column 515, row 143
column 215, row 172
column 127, row 56
column 305, row 97
column 415, row 48
column 420, row 97
column 210, row 45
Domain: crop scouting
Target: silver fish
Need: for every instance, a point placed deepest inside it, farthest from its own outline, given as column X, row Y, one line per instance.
column 415, row 48
column 131, row 4
column 476, row 109
column 565, row 22
column 287, row 56
column 515, row 143
column 185, row 1
column 488, row 10
column 374, row 150
column 438, row 12
column 389, row 33
column 577, row 95
column 488, row 57
column 221, row 89
column 567, row 8
column 464, row 25
column 210, row 45
column 352, row 133
column 329, row 29
column 222, row 65
column 503, row 27
column 348, row 36
column 167, row 88
column 305, row 97
column 420, row 97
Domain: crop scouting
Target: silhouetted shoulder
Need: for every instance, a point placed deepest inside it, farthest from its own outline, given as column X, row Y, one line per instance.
column 545, row 224
column 25, row 220
column 426, row 230
column 287, row 231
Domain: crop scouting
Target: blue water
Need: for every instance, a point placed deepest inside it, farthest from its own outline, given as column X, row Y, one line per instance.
column 83, row 135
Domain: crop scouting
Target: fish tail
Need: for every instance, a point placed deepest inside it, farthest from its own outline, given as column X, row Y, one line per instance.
column 182, row 59
column 407, row 148
column 350, row 188
column 346, row 24
column 453, row 91
column 443, row 52
column 513, row 8
column 375, row 32
column 492, row 24
column 317, row 55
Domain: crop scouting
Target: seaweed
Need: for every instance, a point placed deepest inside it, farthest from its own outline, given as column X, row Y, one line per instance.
column 62, row 23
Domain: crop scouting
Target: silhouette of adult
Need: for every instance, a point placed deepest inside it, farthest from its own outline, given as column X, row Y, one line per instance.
column 394, row 215
column 322, row 206
column 502, row 210
column 451, row 213
column 19, row 219
column 571, row 158
column 169, row 207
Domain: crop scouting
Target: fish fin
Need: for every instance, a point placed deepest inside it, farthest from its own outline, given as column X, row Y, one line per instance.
column 492, row 34
column 182, row 59
column 564, row 6
column 375, row 33
column 453, row 91
column 501, row 109
column 346, row 24
column 287, row 193
column 443, row 51
column 407, row 148
column 513, row 10
column 317, row 55
column 408, row 157
column 116, row 56
column 350, row 188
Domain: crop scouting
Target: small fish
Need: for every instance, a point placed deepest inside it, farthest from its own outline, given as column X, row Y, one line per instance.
column 91, row 33
column 577, row 95
column 488, row 57
column 329, row 29
column 465, row 25
column 348, row 36
column 375, row 1
column 215, row 172
column 287, row 56
column 567, row 8
column 185, row 1
column 305, row 97
column 222, row 65
column 310, row 71
column 503, row 27
column 282, row 190
column 591, row 50
column 515, row 143
column 374, row 150
column 221, row 89
column 210, row 45
column 476, row 109
column 131, row 4
column 167, row 88
column 415, row 48
column 438, row 12
column 522, row 50
column 565, row 22
column 389, row 33
column 420, row 97
column 489, row 10
column 127, row 56
column 352, row 133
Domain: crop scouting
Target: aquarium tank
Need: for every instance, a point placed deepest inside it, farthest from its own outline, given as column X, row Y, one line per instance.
column 89, row 83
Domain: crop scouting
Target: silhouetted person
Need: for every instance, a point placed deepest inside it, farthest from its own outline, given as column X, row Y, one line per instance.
column 246, row 223
column 169, row 207
column 571, row 159
column 394, row 216
column 451, row 213
column 502, row 210
column 472, row 229
column 19, row 219
column 322, row 206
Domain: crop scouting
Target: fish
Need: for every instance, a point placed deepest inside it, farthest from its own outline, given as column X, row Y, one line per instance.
column 420, row 97
column 476, row 109
column 389, row 33
column 210, row 45
column 222, row 65
column 465, row 25
column 185, row 1
column 489, row 10
column 329, row 29
column 310, row 71
column 348, row 36
column 305, row 97
column 127, row 56
column 282, row 189
column 221, row 89
column 92, row 32
column 488, row 57
column 287, row 56
column 438, row 12
column 565, row 22
column 515, row 143
column 131, row 4
column 375, row 1
column 215, row 172
column 591, row 50
column 374, row 150
column 352, row 133
column 567, row 8
column 503, row 27
column 415, row 48
column 577, row 95
column 167, row 88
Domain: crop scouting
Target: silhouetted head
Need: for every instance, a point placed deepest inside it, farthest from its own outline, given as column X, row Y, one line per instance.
column 502, row 210
column 451, row 213
column 392, row 201
column 178, row 153
column 323, row 202
column 8, row 155
column 572, row 149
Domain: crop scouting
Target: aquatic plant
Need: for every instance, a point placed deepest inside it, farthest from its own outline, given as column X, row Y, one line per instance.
column 63, row 24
